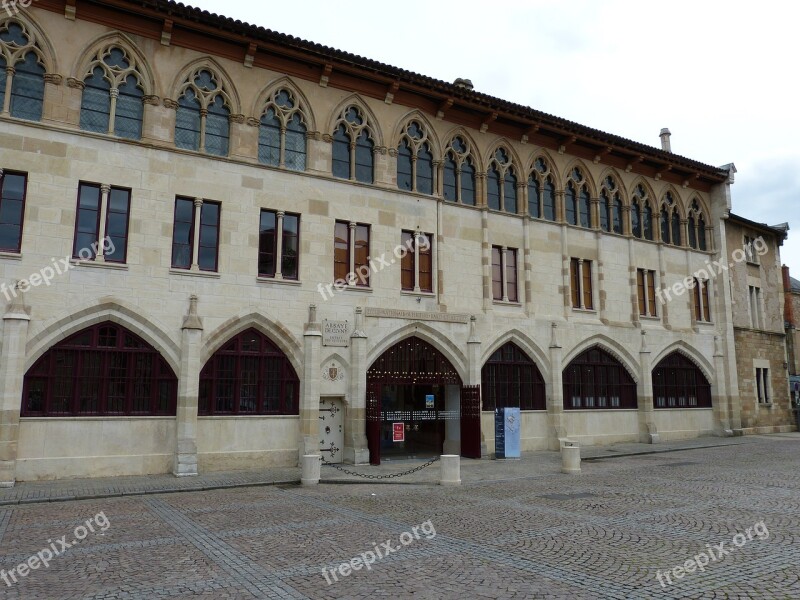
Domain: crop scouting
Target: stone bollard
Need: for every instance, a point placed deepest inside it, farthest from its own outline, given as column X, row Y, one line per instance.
column 311, row 467
column 571, row 458
column 450, row 470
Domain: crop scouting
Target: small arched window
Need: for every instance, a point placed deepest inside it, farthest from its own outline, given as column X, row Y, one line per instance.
column 641, row 214
column 697, row 227
column 282, row 133
column 577, row 199
column 459, row 173
column 203, row 114
column 112, row 95
column 501, row 192
column 249, row 375
column 541, row 192
column 353, row 147
column 415, row 160
column 610, row 206
column 670, row 221
column 21, row 73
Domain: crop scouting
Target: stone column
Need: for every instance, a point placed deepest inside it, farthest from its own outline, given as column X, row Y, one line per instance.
column 112, row 112
column 474, row 371
column 648, row 432
column 12, row 374
column 309, row 400
column 10, row 71
column 105, row 190
column 158, row 126
column 53, row 110
column 722, row 420
column 594, row 215
column 244, row 138
column 486, row 260
column 528, row 266
column 198, row 209
column 279, row 245
column 555, row 399
column 319, row 159
column 185, row 463
column 356, row 450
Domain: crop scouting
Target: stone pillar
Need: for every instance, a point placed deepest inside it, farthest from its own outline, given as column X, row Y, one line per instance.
column 185, row 463
column 555, row 399
column 356, row 450
column 12, row 374
column 198, row 209
column 528, row 266
column 722, row 421
column 648, row 432
column 486, row 248
column 158, row 126
column 53, row 110
column 105, row 190
column 319, row 159
column 244, row 138
column 309, row 400
column 474, row 374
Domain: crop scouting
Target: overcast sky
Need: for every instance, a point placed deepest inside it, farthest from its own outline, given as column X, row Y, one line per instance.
column 722, row 76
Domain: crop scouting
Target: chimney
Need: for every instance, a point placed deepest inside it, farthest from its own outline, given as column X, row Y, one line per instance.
column 465, row 84
column 665, row 145
column 788, row 309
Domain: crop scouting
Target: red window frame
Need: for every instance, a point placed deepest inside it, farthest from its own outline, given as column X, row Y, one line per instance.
column 512, row 289
column 127, row 213
column 203, row 242
column 596, row 380
column 511, row 379
column 407, row 263
column 679, row 383
column 190, row 245
column 96, row 233
column 98, row 372
column 497, row 273
column 238, row 373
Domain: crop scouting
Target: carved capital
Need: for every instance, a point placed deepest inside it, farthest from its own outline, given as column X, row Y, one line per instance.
column 393, row 153
column 326, row 137
column 151, row 100
column 75, row 84
column 252, row 122
column 53, row 78
column 169, row 103
column 240, row 119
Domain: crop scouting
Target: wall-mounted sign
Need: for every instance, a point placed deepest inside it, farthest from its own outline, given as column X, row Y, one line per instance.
column 429, row 401
column 398, row 432
column 335, row 333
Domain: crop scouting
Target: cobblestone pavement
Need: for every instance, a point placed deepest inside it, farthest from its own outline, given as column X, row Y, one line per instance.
column 601, row 534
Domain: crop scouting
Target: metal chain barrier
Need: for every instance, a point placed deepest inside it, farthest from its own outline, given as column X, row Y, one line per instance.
column 372, row 476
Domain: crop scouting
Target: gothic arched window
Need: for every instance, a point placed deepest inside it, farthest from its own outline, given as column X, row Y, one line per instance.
column 282, row 132
column 459, row 173
column 501, row 191
column 415, row 160
column 202, row 122
column 353, row 147
column 541, row 192
column 578, row 202
column 21, row 72
column 610, row 206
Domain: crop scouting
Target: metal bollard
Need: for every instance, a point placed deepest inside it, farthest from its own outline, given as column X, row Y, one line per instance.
column 311, row 467
column 450, row 469
column 571, row 458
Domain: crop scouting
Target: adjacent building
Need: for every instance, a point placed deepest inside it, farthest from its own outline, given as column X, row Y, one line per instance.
column 223, row 247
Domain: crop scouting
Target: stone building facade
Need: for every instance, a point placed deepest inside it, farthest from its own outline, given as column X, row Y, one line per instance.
column 210, row 227
column 757, row 305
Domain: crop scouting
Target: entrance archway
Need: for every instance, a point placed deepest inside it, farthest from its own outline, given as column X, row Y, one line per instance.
column 414, row 403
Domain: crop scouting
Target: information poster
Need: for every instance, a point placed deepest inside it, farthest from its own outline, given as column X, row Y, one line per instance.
column 507, row 433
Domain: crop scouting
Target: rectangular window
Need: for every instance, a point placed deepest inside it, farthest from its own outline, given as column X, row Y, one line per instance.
column 702, row 310
column 12, row 210
column 756, row 316
column 511, row 275
column 581, row 284
column 762, row 385
column 183, row 233
column 407, row 265
column 646, row 290
column 185, row 238
column 497, row 273
column 749, row 250
column 117, row 213
column 271, row 238
column 351, row 243
column 114, row 231
column 417, row 262
column 87, row 221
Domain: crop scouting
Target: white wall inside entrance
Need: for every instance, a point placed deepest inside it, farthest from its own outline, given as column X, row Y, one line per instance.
column 452, row 431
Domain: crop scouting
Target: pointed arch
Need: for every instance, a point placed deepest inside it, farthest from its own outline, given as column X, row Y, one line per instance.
column 276, row 332
column 691, row 353
column 371, row 121
column 527, row 344
column 623, row 189
column 116, row 38
column 555, row 172
column 591, row 184
column 416, row 115
column 505, row 144
column 285, row 82
column 97, row 311
column 229, row 91
column 647, row 188
column 679, row 200
column 42, row 46
column 428, row 334
column 474, row 153
column 611, row 346
column 344, row 362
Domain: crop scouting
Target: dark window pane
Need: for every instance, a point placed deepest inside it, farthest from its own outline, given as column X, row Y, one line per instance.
column 341, row 251
column 404, row 172
column 217, row 128
column 269, row 139
column 534, row 209
column 130, row 110
column 27, row 89
column 341, row 153
column 510, row 193
column 187, row 122
column 295, row 158
column 450, row 192
column 12, row 192
column 183, row 233
column 96, row 103
column 549, row 200
column 493, row 184
column 467, row 183
column 364, row 158
column 424, row 170
column 267, row 241
column 291, row 251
